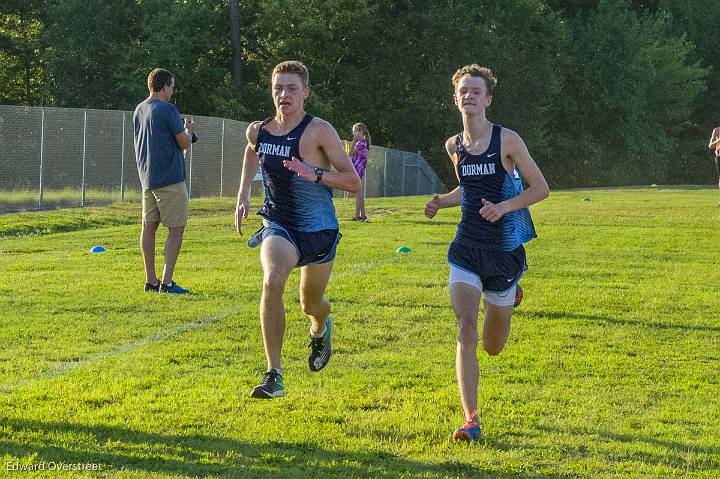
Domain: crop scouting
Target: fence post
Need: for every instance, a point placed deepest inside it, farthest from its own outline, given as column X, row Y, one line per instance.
column 385, row 174
column 42, row 146
column 122, row 161
column 419, row 163
column 190, row 172
column 402, row 189
column 222, row 156
column 364, row 180
column 82, row 201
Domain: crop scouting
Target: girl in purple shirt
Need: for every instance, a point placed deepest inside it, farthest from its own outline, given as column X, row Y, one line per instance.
column 359, row 154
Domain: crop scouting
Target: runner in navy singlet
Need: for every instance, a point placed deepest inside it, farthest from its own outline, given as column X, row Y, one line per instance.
column 486, row 257
column 299, row 228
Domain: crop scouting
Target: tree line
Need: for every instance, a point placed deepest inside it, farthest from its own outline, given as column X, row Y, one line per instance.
column 604, row 92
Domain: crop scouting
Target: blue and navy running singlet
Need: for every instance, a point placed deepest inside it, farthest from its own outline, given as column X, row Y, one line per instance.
column 290, row 200
column 484, row 176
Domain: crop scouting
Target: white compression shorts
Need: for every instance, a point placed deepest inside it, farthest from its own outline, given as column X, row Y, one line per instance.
column 503, row 298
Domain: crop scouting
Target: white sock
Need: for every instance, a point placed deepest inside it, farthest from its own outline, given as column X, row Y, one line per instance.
column 319, row 335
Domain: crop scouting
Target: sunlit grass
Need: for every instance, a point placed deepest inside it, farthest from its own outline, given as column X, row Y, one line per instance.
column 611, row 369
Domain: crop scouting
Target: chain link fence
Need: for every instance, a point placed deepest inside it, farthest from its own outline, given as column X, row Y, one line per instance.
column 61, row 157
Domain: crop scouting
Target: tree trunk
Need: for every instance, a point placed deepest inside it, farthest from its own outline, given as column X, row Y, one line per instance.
column 235, row 40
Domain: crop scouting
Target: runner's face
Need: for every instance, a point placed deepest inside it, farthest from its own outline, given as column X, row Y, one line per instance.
column 471, row 95
column 288, row 93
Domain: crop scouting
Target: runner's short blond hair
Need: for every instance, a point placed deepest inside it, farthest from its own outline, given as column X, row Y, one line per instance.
column 476, row 70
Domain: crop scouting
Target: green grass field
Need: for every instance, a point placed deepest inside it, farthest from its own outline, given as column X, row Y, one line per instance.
column 28, row 199
column 612, row 368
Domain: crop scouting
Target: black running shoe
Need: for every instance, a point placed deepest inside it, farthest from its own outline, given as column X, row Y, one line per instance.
column 321, row 348
column 152, row 288
column 270, row 387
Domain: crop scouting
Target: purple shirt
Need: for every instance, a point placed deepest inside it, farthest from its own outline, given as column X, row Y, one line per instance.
column 359, row 157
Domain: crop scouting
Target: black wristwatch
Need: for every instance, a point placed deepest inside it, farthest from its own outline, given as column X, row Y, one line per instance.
column 318, row 172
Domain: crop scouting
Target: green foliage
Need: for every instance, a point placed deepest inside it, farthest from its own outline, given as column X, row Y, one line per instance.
column 604, row 92
column 21, row 53
column 632, row 89
column 698, row 21
column 610, row 370
column 192, row 40
column 87, row 57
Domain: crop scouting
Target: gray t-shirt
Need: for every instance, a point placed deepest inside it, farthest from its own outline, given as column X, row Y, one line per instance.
column 160, row 160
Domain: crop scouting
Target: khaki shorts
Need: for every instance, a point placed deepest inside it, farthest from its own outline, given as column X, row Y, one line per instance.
column 168, row 205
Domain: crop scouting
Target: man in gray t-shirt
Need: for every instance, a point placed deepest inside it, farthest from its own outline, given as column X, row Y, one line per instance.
column 160, row 138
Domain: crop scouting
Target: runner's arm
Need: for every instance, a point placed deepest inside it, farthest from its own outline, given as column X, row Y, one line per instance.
column 448, row 200
column 537, row 189
column 251, row 162
column 344, row 177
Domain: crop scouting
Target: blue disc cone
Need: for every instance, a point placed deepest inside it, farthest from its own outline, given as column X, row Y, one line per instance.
column 97, row 249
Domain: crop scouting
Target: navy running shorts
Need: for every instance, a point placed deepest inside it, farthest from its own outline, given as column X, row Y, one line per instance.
column 316, row 247
column 498, row 270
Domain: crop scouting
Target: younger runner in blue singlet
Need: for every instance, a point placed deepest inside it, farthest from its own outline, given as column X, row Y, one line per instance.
column 478, row 241
column 486, row 257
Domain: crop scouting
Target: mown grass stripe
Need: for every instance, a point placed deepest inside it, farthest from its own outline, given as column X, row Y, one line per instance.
column 66, row 367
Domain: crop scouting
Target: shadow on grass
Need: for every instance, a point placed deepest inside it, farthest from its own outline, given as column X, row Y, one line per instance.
column 619, row 321
column 390, row 304
column 28, row 205
column 422, row 221
column 117, row 448
column 676, row 455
